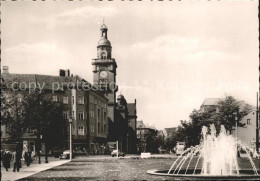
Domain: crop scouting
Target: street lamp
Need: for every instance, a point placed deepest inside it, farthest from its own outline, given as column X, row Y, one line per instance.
column 236, row 118
column 70, row 121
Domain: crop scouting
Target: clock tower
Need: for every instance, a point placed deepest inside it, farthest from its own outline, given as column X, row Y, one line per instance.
column 104, row 72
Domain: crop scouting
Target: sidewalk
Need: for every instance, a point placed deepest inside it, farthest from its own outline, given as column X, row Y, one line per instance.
column 31, row 170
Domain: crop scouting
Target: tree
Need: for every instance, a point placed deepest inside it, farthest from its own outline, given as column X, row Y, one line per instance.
column 12, row 115
column 232, row 111
column 228, row 112
column 42, row 118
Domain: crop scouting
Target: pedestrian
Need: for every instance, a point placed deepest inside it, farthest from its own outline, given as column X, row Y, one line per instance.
column 33, row 156
column 17, row 160
column 27, row 158
column 6, row 159
column 238, row 154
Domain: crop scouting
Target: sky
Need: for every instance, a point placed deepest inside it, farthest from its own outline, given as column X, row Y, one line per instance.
column 171, row 55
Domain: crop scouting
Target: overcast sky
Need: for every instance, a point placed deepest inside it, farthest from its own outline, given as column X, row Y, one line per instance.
column 170, row 55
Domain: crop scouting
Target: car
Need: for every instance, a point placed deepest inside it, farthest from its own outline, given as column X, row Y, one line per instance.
column 66, row 154
column 56, row 152
column 114, row 153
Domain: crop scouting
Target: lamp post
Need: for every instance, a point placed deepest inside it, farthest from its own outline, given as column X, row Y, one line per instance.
column 70, row 121
column 257, row 125
column 236, row 118
column 127, row 142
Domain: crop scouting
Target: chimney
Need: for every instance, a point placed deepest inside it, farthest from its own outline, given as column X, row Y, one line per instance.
column 67, row 73
column 62, row 73
column 5, row 69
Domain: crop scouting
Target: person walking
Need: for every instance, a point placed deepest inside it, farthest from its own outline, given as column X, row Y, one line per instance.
column 17, row 161
column 6, row 159
column 27, row 158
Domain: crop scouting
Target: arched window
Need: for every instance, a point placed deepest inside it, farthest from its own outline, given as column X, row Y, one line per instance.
column 103, row 55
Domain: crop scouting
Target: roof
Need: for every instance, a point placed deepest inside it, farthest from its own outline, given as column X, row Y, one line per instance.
column 104, row 42
column 103, row 27
column 140, row 124
column 47, row 82
column 211, row 101
column 131, row 109
column 120, row 96
column 169, row 131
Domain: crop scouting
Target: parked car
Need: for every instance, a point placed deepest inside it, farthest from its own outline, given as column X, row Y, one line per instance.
column 114, row 153
column 56, row 152
column 66, row 154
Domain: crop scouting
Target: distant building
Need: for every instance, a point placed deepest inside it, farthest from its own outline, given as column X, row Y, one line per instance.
column 132, row 122
column 247, row 134
column 209, row 103
column 126, row 118
column 142, row 133
column 168, row 132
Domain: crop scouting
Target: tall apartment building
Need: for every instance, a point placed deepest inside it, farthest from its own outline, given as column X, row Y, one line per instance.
column 87, row 107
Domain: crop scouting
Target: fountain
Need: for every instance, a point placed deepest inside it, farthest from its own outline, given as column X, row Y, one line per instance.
column 217, row 156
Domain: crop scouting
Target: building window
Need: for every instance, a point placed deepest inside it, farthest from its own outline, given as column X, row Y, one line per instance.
column 65, row 115
column 65, row 100
column 248, row 121
column 80, row 114
column 98, row 113
column 103, row 55
column 91, row 113
column 73, row 99
column 20, row 99
column 92, row 99
column 105, row 128
column 55, row 98
column 98, row 127
column 81, row 99
column 81, row 130
column 105, row 115
column 92, row 128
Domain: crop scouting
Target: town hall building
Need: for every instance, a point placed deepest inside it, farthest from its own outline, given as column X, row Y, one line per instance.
column 98, row 115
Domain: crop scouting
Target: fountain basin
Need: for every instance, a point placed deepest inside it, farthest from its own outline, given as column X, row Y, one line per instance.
column 244, row 174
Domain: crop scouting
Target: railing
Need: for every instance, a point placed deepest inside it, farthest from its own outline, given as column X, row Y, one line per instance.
column 103, row 60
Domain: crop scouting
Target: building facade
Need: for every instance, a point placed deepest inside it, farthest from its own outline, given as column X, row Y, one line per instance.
column 143, row 132
column 87, row 108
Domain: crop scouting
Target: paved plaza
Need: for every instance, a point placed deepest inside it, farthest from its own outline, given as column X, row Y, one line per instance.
column 108, row 168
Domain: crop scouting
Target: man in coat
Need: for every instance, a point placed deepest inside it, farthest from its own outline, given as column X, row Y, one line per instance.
column 6, row 159
column 17, row 160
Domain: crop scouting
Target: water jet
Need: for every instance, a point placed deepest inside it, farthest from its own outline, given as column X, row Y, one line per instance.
column 217, row 156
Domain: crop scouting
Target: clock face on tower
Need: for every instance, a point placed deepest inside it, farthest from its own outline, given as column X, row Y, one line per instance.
column 103, row 74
